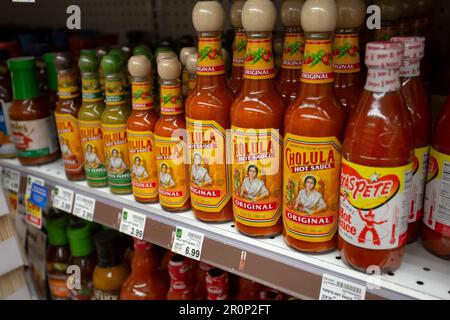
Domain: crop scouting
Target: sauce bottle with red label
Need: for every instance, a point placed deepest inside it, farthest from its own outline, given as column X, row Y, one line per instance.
column 376, row 174
column 217, row 284
column 346, row 53
column 416, row 100
column 239, row 46
column 207, row 119
column 170, row 140
column 314, row 129
column 288, row 82
column 256, row 130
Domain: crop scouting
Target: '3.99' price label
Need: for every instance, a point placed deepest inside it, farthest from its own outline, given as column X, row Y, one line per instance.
column 188, row 243
column 132, row 223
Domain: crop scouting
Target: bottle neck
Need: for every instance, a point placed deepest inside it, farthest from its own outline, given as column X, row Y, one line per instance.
column 115, row 90
column 317, row 61
column 410, row 69
column 239, row 46
column 142, row 263
column 171, row 100
column 179, row 272
column 346, row 51
column 382, row 80
column 25, row 84
column 293, row 49
column 210, row 59
column 91, row 88
column 142, row 95
column 67, row 85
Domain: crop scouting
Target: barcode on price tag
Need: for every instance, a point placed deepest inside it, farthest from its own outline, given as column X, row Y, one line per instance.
column 188, row 243
column 84, row 207
column 11, row 179
column 63, row 199
column 132, row 223
column 334, row 288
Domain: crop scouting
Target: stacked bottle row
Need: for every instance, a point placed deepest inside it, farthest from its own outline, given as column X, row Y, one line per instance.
column 84, row 263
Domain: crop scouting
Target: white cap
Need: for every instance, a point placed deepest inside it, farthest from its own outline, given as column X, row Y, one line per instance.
column 384, row 55
column 414, row 47
column 139, row 66
column 191, row 63
column 351, row 13
column 185, row 52
column 319, row 16
column 236, row 13
column 165, row 55
column 259, row 15
column 169, row 68
column 208, row 16
column 291, row 12
column 390, row 9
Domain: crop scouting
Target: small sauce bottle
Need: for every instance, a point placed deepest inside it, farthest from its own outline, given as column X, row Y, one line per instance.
column 182, row 277
column 217, row 284
column 288, row 83
column 32, row 123
column 257, row 127
column 239, row 46
column 200, row 286
column 191, row 67
column 170, row 140
column 141, row 124
column 184, row 54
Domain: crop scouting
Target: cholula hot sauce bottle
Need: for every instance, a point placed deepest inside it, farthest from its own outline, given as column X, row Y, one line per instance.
column 376, row 171
column 239, row 46
column 191, row 67
column 184, row 54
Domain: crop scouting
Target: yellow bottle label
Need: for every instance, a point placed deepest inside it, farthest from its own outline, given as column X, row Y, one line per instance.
column 239, row 46
column 92, row 92
column 259, row 59
column 117, row 158
column 346, row 58
column 210, row 59
column 256, row 172
column 311, row 187
column 374, row 205
column 94, row 155
column 171, row 101
column 293, row 50
column 70, row 144
column 210, row 182
column 67, row 86
column 172, row 171
column 142, row 95
column 420, row 167
column 144, row 176
column 317, row 62
column 115, row 92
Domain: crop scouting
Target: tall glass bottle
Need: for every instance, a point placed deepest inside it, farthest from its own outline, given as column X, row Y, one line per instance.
column 217, row 284
column 239, row 46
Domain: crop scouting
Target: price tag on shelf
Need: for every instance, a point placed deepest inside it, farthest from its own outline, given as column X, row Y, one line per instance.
column 11, row 179
column 33, row 212
column 84, row 207
column 188, row 243
column 133, row 223
column 334, row 288
column 63, row 199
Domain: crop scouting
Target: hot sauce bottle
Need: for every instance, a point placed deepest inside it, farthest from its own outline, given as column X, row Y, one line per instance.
column 288, row 83
column 348, row 84
column 32, row 123
column 89, row 121
column 170, row 140
column 239, row 46
column 436, row 220
column 200, row 286
column 314, row 128
column 257, row 128
column 376, row 171
column 416, row 101
column 208, row 118
column 184, row 54
column 191, row 67
column 182, row 277
column 217, row 283
column 390, row 15
column 141, row 124
column 114, row 126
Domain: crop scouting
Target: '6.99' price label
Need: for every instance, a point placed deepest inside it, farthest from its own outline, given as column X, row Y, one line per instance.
column 63, row 199
column 132, row 223
column 188, row 243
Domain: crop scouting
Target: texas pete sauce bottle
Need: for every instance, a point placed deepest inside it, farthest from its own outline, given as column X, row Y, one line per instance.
column 376, row 171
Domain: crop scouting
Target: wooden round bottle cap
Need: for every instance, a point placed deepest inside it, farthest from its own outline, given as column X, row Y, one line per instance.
column 139, row 66
column 186, row 52
column 291, row 12
column 169, row 68
column 351, row 13
column 414, row 47
column 208, row 16
column 319, row 16
column 165, row 55
column 384, row 55
column 236, row 13
column 191, row 63
column 390, row 9
column 259, row 15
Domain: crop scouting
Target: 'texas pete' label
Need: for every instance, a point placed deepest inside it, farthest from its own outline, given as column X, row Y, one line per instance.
column 210, row 59
column 210, row 178
column 420, row 167
column 172, row 171
column 69, row 141
column 311, row 187
column 259, row 59
column 239, row 46
column 317, row 62
column 293, row 50
column 374, row 205
column 91, row 138
column 256, row 170
column 346, row 58
column 144, row 174
column 437, row 198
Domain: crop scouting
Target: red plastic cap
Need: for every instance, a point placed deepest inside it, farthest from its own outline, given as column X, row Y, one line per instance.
column 384, row 55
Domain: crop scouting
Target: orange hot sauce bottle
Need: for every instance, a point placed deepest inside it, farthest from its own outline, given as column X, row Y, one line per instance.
column 376, row 171
column 207, row 119
column 416, row 100
column 184, row 54
column 170, row 140
column 140, row 128
column 346, row 53
column 239, row 46
column 217, row 284
column 182, row 277
column 314, row 129
column 257, row 128
column 288, row 82
column 66, row 117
